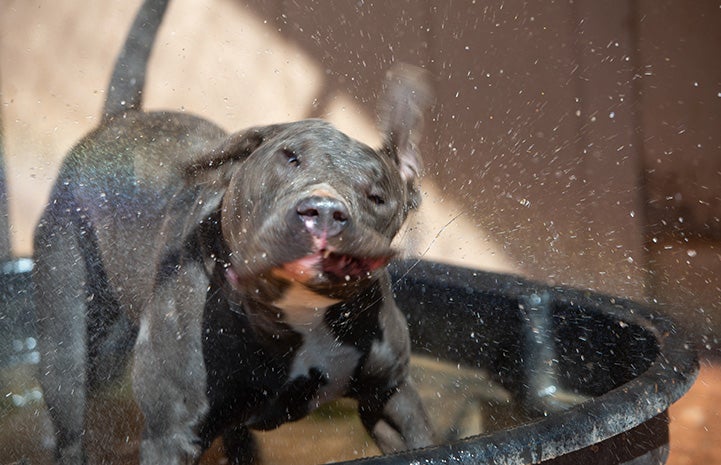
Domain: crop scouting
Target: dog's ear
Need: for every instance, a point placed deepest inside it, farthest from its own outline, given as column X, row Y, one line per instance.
column 216, row 165
column 405, row 100
column 212, row 170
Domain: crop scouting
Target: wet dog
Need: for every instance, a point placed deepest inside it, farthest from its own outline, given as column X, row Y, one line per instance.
column 243, row 274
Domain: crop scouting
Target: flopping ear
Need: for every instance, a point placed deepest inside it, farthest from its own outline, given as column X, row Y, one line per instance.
column 405, row 100
column 212, row 171
column 217, row 164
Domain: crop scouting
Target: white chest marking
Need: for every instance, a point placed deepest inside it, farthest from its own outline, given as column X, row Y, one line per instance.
column 304, row 311
column 336, row 361
column 303, row 307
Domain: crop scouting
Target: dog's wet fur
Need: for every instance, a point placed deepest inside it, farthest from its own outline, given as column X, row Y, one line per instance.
column 242, row 274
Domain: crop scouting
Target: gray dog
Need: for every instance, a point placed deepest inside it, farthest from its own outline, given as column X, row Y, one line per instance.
column 243, row 274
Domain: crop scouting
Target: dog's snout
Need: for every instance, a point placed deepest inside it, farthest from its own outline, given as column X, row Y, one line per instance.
column 323, row 216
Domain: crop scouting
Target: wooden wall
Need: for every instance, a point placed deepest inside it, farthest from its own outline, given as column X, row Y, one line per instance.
column 584, row 136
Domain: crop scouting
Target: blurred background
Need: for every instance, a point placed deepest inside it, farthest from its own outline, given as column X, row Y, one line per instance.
column 573, row 142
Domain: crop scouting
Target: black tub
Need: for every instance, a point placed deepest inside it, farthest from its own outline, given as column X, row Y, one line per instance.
column 592, row 375
column 628, row 361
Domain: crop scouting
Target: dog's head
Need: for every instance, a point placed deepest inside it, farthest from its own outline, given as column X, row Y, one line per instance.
column 302, row 203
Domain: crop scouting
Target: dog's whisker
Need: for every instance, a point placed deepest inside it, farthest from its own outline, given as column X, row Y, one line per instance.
column 428, row 248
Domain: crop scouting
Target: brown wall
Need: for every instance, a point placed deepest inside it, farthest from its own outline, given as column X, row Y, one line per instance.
column 680, row 51
column 585, row 136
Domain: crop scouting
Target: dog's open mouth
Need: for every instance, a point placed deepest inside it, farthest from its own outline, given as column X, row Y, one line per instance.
column 321, row 267
column 349, row 267
column 331, row 265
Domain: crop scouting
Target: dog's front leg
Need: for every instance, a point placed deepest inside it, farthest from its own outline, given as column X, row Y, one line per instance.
column 169, row 377
column 399, row 423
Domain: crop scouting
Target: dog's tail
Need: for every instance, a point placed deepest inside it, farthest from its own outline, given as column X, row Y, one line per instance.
column 125, row 91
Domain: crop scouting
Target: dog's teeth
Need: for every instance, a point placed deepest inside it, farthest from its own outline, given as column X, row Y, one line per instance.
column 326, row 254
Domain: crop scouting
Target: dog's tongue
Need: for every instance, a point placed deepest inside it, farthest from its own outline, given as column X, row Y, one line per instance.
column 340, row 266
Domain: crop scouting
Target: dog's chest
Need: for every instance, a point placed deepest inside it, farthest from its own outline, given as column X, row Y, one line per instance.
column 335, row 361
column 322, row 353
column 319, row 370
column 304, row 311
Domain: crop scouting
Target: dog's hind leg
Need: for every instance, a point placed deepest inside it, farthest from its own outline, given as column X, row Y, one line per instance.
column 60, row 294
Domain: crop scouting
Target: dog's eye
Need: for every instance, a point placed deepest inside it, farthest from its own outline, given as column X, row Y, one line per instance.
column 376, row 199
column 291, row 157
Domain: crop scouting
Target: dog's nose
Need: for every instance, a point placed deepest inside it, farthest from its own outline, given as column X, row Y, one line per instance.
column 323, row 216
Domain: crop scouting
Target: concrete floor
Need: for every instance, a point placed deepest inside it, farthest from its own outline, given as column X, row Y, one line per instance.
column 696, row 422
